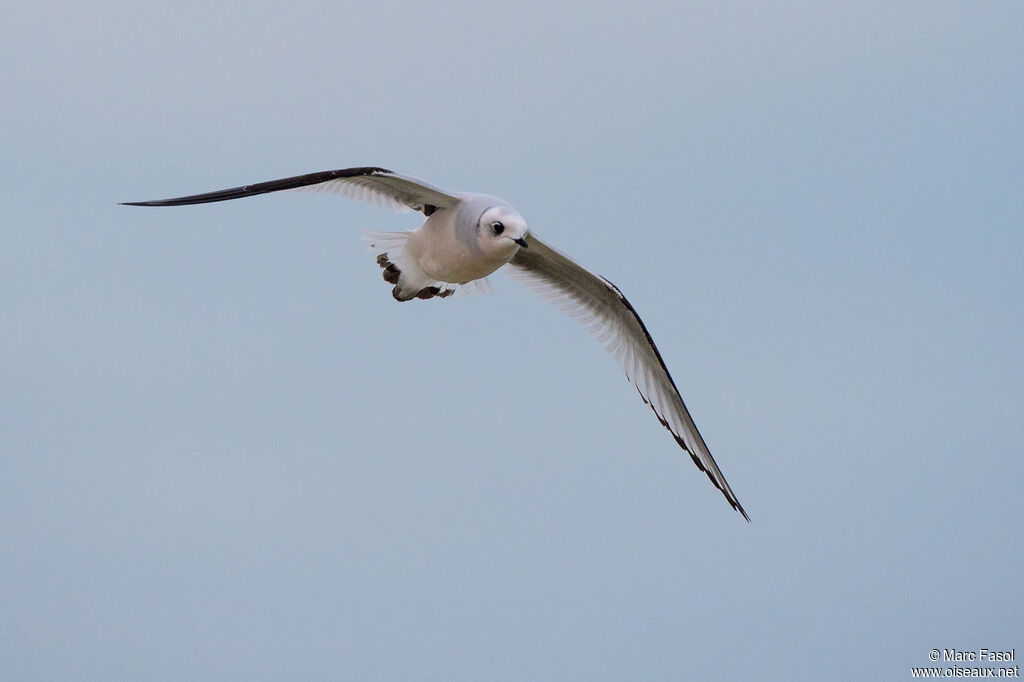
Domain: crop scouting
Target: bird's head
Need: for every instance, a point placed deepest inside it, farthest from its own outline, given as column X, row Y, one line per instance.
column 501, row 231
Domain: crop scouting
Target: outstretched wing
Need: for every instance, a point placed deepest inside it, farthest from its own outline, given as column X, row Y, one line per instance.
column 604, row 311
column 377, row 185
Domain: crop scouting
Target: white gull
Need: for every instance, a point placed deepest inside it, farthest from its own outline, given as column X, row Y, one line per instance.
column 468, row 236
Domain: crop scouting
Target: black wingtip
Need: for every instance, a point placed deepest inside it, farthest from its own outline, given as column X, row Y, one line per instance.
column 264, row 187
column 159, row 202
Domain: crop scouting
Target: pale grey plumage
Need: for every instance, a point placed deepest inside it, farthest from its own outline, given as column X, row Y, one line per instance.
column 600, row 307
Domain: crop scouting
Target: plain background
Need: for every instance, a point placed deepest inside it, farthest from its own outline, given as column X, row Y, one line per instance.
column 227, row 453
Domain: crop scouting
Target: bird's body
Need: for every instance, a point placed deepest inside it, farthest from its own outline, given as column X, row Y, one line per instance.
column 446, row 246
column 465, row 238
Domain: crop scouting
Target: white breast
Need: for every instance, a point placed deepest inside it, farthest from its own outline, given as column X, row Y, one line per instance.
column 444, row 256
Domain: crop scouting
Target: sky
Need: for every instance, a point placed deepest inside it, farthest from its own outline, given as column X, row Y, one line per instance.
column 226, row 453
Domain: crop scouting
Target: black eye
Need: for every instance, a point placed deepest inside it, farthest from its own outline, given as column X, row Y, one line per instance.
column 498, row 228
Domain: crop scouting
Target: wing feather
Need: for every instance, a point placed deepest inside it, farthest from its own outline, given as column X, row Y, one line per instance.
column 376, row 185
column 602, row 309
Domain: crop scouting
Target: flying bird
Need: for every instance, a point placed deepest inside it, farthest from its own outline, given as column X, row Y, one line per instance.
column 466, row 237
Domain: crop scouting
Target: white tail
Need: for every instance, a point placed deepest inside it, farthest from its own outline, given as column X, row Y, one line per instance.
column 404, row 272
column 401, row 269
column 384, row 242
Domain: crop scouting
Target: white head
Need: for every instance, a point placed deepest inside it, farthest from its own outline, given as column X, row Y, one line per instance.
column 501, row 231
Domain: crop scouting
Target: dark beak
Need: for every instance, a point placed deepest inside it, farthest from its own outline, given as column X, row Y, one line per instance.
column 521, row 242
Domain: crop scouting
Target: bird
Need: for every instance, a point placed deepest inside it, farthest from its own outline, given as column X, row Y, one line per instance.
column 466, row 237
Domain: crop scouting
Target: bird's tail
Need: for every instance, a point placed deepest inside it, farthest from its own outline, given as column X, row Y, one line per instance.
column 401, row 269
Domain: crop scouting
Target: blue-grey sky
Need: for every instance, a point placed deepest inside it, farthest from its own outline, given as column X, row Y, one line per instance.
column 227, row 453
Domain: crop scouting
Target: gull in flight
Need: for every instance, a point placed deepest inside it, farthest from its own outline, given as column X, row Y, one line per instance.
column 468, row 236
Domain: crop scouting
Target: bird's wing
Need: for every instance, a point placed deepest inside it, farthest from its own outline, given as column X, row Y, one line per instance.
column 377, row 185
column 604, row 311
